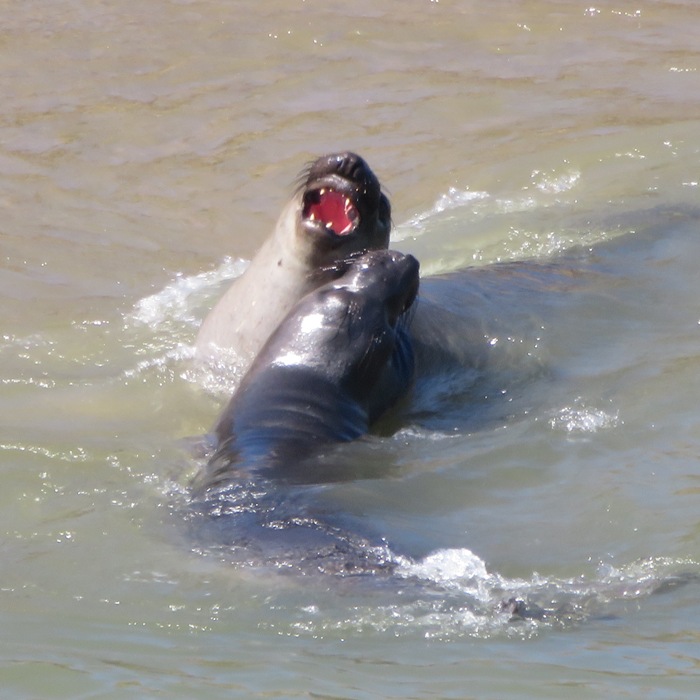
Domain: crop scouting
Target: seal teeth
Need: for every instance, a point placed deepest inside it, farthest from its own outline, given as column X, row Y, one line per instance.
column 331, row 211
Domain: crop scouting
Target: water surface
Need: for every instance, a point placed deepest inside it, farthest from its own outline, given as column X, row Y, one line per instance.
column 145, row 151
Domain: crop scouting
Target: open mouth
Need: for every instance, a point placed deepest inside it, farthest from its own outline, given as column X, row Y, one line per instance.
column 332, row 210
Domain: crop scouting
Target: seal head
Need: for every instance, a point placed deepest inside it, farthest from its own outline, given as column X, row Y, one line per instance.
column 343, row 207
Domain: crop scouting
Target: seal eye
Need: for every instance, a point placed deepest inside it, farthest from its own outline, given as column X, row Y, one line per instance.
column 333, row 210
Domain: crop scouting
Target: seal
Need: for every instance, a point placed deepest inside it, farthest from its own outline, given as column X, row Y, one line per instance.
column 338, row 209
column 339, row 359
column 455, row 330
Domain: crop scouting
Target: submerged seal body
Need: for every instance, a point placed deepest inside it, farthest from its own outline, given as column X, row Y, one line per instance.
column 338, row 210
column 338, row 360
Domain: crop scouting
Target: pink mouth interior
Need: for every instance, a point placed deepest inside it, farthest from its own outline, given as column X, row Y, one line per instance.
column 334, row 210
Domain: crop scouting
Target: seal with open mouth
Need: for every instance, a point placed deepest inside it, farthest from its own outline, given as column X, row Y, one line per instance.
column 339, row 359
column 338, row 210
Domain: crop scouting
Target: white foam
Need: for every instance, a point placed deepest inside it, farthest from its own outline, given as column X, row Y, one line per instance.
column 581, row 419
column 555, row 183
column 173, row 315
column 463, row 599
column 452, row 199
column 180, row 299
column 477, row 205
column 459, row 571
column 161, row 361
column 489, row 234
column 447, row 565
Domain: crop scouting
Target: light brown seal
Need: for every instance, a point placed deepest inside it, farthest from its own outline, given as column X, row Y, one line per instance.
column 338, row 210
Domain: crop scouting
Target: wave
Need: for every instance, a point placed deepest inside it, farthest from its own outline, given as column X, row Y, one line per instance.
column 453, row 594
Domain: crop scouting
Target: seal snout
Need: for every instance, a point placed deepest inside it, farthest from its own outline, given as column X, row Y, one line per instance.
column 401, row 302
column 340, row 193
column 345, row 166
column 390, row 276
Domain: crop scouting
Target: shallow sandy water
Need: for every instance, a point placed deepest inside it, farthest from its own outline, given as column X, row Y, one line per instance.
column 146, row 148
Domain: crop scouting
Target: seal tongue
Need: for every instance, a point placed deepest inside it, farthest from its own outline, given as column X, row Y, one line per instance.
column 334, row 210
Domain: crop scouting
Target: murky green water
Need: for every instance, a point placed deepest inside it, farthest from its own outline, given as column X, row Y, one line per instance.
column 146, row 149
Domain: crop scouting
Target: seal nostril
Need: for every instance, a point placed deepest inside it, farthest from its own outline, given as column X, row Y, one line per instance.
column 352, row 167
column 347, row 166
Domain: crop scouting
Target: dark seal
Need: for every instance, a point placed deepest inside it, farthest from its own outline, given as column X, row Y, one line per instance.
column 338, row 209
column 339, row 359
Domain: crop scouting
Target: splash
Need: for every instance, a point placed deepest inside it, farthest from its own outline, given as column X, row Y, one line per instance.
column 581, row 419
column 555, row 183
column 172, row 316
column 477, row 227
column 180, row 300
column 454, row 595
column 453, row 199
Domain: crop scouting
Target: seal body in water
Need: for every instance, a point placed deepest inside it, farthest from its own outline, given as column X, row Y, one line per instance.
column 338, row 360
column 338, row 210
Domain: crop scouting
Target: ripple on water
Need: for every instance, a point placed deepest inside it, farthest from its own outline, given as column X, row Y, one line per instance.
column 581, row 419
column 451, row 594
